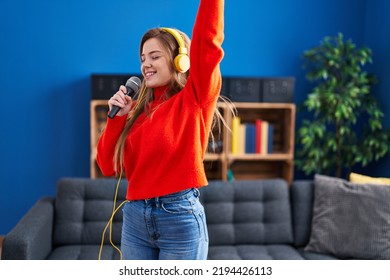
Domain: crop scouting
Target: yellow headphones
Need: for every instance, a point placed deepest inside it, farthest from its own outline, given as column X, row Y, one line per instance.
column 181, row 61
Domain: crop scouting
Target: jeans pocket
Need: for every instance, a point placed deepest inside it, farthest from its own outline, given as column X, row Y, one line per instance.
column 184, row 206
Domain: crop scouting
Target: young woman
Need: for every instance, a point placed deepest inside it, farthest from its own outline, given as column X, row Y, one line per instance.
column 160, row 139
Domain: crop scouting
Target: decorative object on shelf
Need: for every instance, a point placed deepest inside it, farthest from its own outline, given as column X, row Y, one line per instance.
column 345, row 128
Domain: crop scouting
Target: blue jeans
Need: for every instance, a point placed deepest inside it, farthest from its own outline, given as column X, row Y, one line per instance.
column 165, row 228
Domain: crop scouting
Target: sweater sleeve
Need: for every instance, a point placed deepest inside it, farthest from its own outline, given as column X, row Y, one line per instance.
column 206, row 51
column 106, row 144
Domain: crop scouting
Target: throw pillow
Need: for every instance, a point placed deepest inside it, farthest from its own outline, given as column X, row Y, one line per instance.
column 350, row 220
column 363, row 179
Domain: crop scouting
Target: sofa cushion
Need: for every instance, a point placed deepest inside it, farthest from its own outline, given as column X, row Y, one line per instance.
column 84, row 252
column 248, row 212
column 350, row 220
column 254, row 252
column 83, row 208
column 363, row 179
column 314, row 256
column 302, row 198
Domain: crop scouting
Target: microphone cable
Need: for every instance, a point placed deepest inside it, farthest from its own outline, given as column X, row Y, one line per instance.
column 109, row 223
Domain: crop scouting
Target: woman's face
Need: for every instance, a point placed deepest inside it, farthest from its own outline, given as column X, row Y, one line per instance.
column 155, row 64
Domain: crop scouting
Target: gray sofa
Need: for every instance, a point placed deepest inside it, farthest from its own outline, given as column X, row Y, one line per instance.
column 256, row 219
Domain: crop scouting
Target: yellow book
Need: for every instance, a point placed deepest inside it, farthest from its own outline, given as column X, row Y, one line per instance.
column 264, row 137
column 235, row 134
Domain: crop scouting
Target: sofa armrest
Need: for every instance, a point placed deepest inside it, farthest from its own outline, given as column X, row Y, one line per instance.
column 31, row 238
column 302, row 199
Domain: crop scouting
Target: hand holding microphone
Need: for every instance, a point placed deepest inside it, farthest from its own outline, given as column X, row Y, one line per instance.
column 121, row 101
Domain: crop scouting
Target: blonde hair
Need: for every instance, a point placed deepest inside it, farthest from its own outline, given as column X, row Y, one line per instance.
column 145, row 94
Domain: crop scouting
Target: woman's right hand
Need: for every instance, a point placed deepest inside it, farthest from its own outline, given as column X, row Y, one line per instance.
column 122, row 100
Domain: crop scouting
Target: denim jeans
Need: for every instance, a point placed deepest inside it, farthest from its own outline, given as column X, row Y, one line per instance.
column 165, row 228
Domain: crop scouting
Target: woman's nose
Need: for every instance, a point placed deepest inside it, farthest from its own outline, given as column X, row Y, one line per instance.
column 147, row 64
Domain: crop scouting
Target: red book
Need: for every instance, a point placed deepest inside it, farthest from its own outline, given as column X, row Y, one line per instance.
column 258, row 136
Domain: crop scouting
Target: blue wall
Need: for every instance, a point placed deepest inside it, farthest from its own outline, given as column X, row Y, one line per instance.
column 377, row 37
column 49, row 49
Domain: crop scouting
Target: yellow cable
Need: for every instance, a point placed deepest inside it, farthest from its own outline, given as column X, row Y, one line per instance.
column 109, row 223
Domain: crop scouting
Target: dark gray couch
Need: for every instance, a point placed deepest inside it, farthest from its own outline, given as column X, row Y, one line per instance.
column 258, row 219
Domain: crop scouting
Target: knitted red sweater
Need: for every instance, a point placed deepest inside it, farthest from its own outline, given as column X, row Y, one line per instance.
column 164, row 153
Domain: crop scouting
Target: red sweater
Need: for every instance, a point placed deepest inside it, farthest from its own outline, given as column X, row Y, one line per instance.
column 164, row 153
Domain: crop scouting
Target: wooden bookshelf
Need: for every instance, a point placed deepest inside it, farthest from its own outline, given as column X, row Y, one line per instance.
column 278, row 164
column 1, row 244
column 98, row 112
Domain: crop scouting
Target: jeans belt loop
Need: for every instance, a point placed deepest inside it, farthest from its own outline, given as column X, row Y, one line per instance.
column 157, row 201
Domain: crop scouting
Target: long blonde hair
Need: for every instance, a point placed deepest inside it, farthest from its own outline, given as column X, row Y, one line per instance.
column 145, row 94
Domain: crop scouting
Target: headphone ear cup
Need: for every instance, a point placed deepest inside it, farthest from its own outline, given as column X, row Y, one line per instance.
column 182, row 60
column 182, row 63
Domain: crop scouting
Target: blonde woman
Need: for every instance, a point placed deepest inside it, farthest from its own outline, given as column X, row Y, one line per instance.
column 160, row 139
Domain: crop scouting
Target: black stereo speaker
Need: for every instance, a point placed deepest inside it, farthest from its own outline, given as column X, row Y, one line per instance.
column 241, row 89
column 103, row 86
column 278, row 90
column 268, row 89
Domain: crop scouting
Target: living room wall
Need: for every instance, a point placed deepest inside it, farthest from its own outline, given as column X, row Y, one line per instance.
column 49, row 50
column 376, row 36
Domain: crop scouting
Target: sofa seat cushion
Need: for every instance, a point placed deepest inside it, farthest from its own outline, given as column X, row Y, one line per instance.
column 254, row 252
column 246, row 212
column 315, row 256
column 84, row 252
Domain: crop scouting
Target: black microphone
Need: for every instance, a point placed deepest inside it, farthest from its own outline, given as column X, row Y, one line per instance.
column 132, row 87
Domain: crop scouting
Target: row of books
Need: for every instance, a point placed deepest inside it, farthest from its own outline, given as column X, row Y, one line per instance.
column 252, row 137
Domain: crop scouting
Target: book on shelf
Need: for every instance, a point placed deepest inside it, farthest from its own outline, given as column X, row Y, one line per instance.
column 252, row 137
column 241, row 139
column 258, row 136
column 264, row 137
column 235, row 134
column 270, row 138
